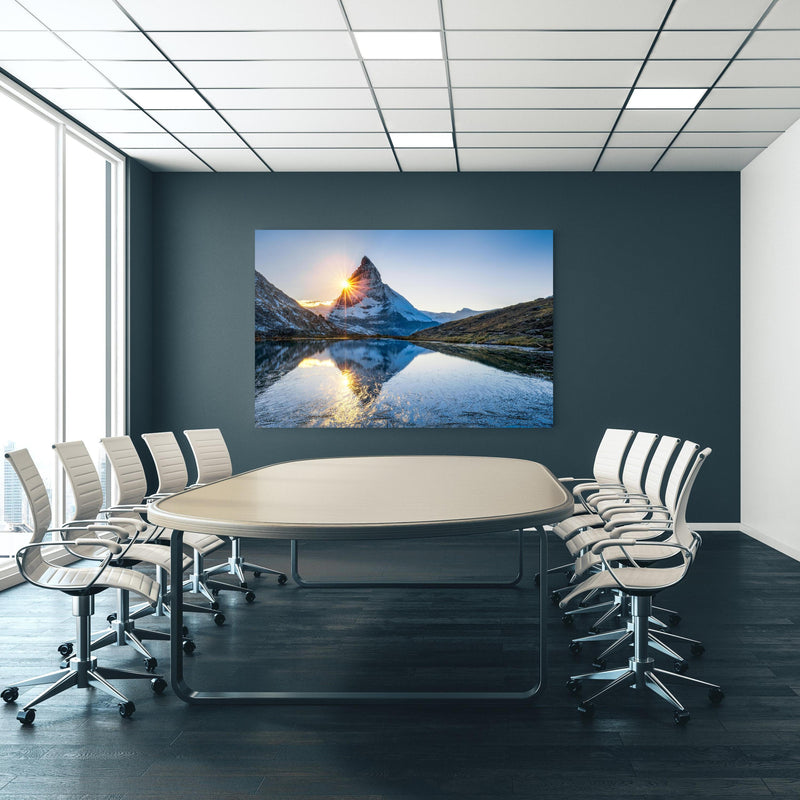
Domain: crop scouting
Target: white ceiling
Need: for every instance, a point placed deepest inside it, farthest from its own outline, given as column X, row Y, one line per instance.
column 260, row 85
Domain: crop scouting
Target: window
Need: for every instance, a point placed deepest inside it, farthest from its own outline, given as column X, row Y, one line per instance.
column 62, row 343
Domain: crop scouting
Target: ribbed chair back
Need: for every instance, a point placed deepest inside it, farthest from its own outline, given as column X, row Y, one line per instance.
column 211, row 455
column 34, row 489
column 610, row 452
column 82, row 477
column 130, row 482
column 657, row 468
column 168, row 459
column 635, row 461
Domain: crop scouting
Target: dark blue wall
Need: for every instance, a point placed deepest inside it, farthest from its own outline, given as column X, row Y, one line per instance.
column 646, row 292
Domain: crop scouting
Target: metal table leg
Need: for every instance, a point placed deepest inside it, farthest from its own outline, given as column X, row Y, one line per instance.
column 232, row 697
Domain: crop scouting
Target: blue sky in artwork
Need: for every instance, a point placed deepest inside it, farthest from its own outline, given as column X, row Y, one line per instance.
column 436, row 270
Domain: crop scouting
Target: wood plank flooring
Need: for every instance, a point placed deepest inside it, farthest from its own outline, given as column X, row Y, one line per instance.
column 741, row 598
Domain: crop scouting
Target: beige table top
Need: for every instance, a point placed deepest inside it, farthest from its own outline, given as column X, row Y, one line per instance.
column 385, row 497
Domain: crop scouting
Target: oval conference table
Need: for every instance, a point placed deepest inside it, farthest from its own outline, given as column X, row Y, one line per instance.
column 388, row 497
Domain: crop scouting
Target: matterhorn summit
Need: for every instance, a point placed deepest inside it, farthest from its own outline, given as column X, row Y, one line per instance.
column 371, row 307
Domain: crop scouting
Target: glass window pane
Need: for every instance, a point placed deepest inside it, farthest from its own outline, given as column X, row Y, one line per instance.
column 27, row 296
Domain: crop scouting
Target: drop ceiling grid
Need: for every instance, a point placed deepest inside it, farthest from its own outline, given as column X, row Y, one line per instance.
column 267, row 79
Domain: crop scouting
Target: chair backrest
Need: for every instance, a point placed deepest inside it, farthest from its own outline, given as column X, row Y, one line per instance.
column 34, row 489
column 83, row 479
column 633, row 472
column 168, row 458
column 682, row 533
column 658, row 468
column 610, row 452
column 685, row 457
column 130, row 482
column 210, row 454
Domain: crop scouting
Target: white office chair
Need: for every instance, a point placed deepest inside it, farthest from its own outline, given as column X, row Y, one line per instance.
column 213, row 463
column 641, row 583
column 82, row 583
column 130, row 484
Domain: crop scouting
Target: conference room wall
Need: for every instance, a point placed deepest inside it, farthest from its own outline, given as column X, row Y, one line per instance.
column 646, row 307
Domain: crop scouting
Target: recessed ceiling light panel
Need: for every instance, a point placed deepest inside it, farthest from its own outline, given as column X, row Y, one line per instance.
column 422, row 139
column 419, row 45
column 665, row 98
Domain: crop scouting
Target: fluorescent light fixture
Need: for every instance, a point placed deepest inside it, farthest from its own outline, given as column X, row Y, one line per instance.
column 393, row 45
column 400, row 140
column 665, row 98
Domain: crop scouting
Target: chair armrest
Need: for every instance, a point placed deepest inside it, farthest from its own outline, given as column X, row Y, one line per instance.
column 108, row 545
column 663, row 523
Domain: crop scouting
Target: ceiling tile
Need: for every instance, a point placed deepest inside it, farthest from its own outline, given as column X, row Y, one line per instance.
column 521, row 159
column 762, row 73
column 558, row 139
column 743, row 119
column 642, row 139
column 653, row 119
column 716, row 14
column 33, row 45
column 87, row 15
column 420, row 159
column 160, row 141
column 290, row 98
column 16, row 18
column 167, row 98
column 168, row 160
column 534, row 120
column 117, row 121
column 241, row 45
column 88, row 98
column 239, row 160
column 56, row 74
column 413, row 98
column 543, row 73
column 548, row 44
column 333, row 160
column 697, row 159
column 406, row 73
column 629, row 159
column 545, row 14
column 213, row 15
column 678, row 74
column 142, row 74
column 195, row 140
column 772, row 44
column 274, row 74
column 539, row 98
column 113, row 45
column 783, row 15
column 198, row 121
column 727, row 138
column 427, row 119
column 337, row 120
column 316, row 141
column 758, row 97
column 383, row 15
column 698, row 44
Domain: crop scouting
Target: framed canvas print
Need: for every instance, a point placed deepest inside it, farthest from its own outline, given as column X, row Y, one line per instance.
column 404, row 328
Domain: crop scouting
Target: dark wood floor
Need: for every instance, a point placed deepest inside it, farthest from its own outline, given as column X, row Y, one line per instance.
column 741, row 598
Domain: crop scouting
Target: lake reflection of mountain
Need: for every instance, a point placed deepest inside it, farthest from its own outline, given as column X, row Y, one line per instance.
column 385, row 383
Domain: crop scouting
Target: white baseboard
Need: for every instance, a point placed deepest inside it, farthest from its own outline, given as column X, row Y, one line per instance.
column 734, row 527
column 787, row 549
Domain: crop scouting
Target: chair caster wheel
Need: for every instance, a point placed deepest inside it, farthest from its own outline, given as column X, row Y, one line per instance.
column 575, row 648
column 674, row 619
column 681, row 667
column 598, row 664
column 536, row 579
column 282, row 580
column 573, row 686
column 214, row 606
column 716, row 695
column 219, row 619
column 150, row 664
column 26, row 717
column 698, row 649
column 568, row 620
column 65, row 649
column 189, row 646
column 158, row 685
column 681, row 717
column 250, row 596
column 126, row 709
column 111, row 618
column 10, row 694
column 184, row 630
column 256, row 573
column 587, row 709
column 215, row 592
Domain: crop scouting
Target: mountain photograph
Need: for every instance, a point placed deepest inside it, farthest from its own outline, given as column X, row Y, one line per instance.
column 344, row 340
